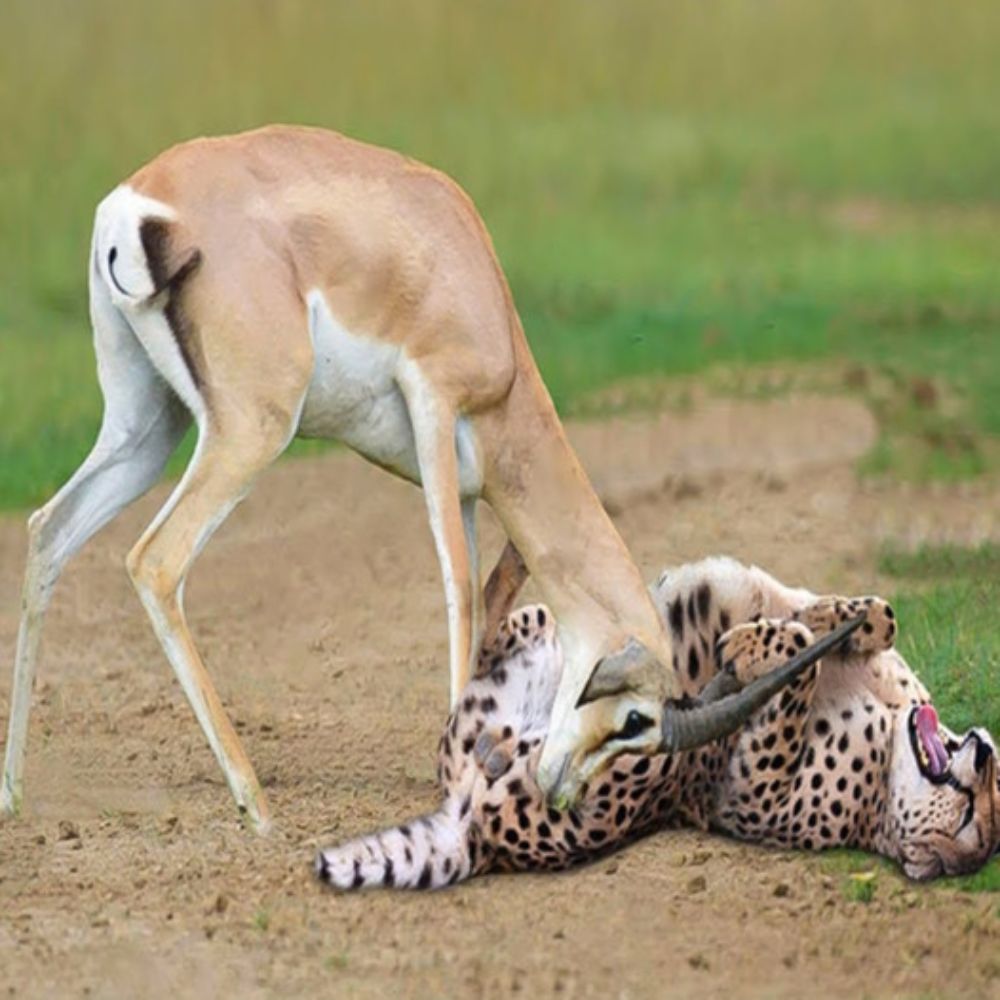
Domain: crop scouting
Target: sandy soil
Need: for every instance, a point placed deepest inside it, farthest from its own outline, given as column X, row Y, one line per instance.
column 319, row 609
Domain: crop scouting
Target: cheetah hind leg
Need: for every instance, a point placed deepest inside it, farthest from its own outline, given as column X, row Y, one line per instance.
column 877, row 632
column 748, row 652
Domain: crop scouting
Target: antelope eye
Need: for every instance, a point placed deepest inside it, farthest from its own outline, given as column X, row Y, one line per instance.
column 635, row 723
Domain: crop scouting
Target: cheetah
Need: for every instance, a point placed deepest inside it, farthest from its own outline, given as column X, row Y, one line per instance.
column 850, row 754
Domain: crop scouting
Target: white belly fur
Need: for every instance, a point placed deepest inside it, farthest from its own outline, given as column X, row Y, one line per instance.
column 353, row 396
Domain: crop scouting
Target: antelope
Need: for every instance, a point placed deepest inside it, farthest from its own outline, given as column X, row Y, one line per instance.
column 291, row 281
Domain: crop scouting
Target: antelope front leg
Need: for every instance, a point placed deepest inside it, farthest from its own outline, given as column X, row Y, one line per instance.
column 434, row 427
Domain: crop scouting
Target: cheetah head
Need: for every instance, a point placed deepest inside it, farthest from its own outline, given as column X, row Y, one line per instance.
column 944, row 806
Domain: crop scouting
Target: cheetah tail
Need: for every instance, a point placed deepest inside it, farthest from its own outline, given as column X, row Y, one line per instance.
column 427, row 853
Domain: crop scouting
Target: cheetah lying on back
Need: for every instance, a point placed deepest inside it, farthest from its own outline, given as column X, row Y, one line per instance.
column 850, row 754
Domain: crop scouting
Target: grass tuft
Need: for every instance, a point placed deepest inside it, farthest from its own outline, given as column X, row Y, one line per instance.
column 943, row 562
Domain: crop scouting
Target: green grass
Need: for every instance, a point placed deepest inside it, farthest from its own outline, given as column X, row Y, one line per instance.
column 948, row 628
column 669, row 187
column 943, row 562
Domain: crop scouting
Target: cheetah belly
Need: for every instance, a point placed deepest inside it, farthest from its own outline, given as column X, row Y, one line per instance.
column 354, row 397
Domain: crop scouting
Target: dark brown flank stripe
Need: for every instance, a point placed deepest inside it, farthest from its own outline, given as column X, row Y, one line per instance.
column 154, row 235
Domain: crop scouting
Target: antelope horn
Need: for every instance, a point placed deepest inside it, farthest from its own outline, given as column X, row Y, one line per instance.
column 723, row 712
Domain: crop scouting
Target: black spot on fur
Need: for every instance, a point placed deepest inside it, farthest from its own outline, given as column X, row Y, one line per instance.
column 677, row 618
column 704, row 601
column 693, row 664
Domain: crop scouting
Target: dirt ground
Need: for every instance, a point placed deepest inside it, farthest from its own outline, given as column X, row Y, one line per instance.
column 320, row 612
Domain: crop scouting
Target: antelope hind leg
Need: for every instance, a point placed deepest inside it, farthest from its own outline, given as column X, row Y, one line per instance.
column 143, row 423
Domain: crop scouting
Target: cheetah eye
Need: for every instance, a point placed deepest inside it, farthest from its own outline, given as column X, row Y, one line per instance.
column 635, row 723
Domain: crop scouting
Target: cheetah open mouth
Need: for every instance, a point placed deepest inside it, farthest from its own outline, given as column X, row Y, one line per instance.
column 928, row 742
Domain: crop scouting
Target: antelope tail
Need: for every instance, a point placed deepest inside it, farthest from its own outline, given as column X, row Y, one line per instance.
column 427, row 853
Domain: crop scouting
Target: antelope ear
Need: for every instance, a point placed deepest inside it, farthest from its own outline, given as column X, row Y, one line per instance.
column 614, row 674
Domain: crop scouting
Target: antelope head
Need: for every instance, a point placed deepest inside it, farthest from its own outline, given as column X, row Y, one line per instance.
column 624, row 708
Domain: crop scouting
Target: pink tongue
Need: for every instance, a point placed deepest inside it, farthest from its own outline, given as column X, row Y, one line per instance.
column 927, row 729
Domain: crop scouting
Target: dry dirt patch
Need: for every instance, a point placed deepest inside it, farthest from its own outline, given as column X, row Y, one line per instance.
column 319, row 610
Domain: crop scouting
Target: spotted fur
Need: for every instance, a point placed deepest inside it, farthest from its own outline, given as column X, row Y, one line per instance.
column 828, row 762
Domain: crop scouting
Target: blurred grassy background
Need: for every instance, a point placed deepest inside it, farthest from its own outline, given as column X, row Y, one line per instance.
column 669, row 186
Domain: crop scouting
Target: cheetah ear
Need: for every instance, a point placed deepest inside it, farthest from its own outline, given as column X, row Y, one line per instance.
column 615, row 674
